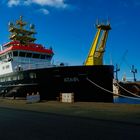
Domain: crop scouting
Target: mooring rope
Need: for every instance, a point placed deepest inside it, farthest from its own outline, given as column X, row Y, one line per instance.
column 111, row 91
column 127, row 90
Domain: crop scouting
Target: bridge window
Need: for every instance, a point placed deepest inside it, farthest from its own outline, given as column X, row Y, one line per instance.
column 42, row 56
column 29, row 55
column 35, row 55
column 15, row 53
column 47, row 56
column 22, row 54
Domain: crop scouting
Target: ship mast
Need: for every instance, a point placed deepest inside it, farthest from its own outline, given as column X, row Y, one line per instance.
column 19, row 33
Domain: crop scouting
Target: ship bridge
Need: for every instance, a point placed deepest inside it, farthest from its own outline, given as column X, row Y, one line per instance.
column 21, row 53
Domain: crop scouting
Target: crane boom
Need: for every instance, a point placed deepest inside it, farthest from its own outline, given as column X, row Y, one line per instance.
column 95, row 56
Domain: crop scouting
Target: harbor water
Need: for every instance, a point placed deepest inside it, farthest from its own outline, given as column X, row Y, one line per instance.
column 118, row 99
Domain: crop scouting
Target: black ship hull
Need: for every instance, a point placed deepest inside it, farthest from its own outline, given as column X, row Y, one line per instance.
column 50, row 82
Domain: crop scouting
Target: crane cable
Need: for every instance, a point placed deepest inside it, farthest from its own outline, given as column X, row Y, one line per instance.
column 110, row 91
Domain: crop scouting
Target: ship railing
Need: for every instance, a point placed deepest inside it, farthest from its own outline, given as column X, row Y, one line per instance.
column 24, row 66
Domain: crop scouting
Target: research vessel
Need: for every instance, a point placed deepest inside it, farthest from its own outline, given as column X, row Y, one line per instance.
column 26, row 68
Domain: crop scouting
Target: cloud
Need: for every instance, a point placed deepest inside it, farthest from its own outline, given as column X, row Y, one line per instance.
column 50, row 3
column 44, row 11
column 42, row 3
column 13, row 3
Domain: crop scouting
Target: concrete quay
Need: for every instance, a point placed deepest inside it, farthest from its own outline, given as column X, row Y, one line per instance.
column 129, row 113
column 52, row 120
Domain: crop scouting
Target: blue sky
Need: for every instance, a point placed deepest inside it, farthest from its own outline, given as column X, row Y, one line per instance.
column 69, row 27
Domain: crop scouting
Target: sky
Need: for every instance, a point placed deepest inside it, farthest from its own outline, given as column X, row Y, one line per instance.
column 68, row 26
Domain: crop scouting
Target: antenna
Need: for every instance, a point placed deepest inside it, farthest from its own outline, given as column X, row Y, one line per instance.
column 134, row 71
column 108, row 20
column 116, row 71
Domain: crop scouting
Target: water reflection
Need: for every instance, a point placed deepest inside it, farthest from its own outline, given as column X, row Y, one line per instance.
column 118, row 99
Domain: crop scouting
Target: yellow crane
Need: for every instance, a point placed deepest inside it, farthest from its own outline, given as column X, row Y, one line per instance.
column 95, row 55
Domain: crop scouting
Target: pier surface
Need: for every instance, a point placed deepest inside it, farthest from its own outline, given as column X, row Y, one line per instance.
column 53, row 120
